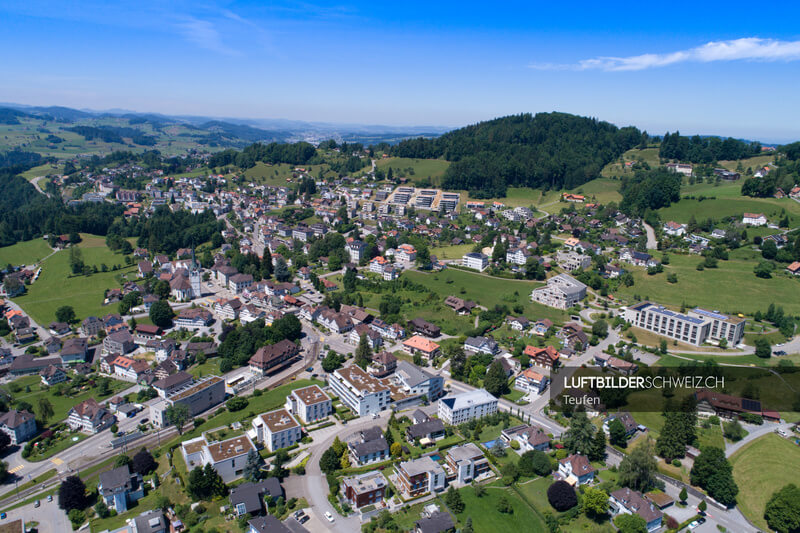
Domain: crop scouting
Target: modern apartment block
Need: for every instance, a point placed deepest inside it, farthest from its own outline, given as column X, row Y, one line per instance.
column 309, row 404
column 364, row 489
column 420, row 476
column 277, row 429
column 198, row 396
column 696, row 327
column 358, row 390
column 562, row 291
column 466, row 462
column 460, row 408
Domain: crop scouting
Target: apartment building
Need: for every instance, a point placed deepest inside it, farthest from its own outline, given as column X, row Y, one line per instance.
column 358, row 390
column 227, row 457
column 466, row 462
column 475, row 260
column 460, row 408
column 198, row 396
column 364, row 489
column 420, row 476
column 309, row 404
column 562, row 292
column 696, row 327
column 277, row 429
column 570, row 261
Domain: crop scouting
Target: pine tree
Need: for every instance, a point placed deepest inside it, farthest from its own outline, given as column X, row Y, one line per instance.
column 363, row 353
column 598, row 450
column 388, row 436
column 252, row 467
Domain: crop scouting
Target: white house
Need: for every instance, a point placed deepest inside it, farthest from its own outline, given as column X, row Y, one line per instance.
column 277, row 429
column 475, row 260
column 309, row 403
column 460, row 408
column 754, row 219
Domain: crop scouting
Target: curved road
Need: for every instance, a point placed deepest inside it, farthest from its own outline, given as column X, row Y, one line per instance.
column 652, row 243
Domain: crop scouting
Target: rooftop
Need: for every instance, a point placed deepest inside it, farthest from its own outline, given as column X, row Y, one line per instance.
column 279, row 420
column 227, row 449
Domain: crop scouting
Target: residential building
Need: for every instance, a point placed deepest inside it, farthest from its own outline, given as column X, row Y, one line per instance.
column 277, row 429
column 152, row 521
column 228, row 457
column 198, row 396
column 629, row 501
column 466, row 462
column 546, row 357
column 248, row 498
column 194, row 318
column 228, row 309
column 121, row 342
column 576, row 469
column 52, row 375
column 728, row 327
column 91, row 326
column 89, row 417
column 696, row 327
column 74, row 350
column 267, row 524
column 356, row 250
column 18, row 425
column 239, row 282
column 531, row 381
column 463, row 407
column 359, row 391
column 171, row 383
column 420, row 476
column 570, row 261
column 370, row 447
column 364, row 489
column 458, row 305
column 675, row 229
column 310, row 404
column 420, row 345
column 754, row 219
column 528, row 437
column 425, row 431
column 429, row 330
column 417, row 382
column 562, row 291
column 119, row 487
column 485, row 345
column 383, row 364
column 268, row 358
column 145, row 333
column 475, row 261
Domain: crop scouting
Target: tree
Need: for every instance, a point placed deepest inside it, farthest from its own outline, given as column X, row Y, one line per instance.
column 363, row 352
column 598, row 449
column 468, row 526
column 600, row 328
column 630, row 523
column 504, row 506
column 122, row 460
column 534, row 462
column 388, row 436
column 5, row 440
column 769, row 250
column 637, row 470
column 683, row 495
column 452, row 498
column 349, row 280
column 616, row 433
column 332, row 361
column 578, row 438
column 72, row 494
column 205, row 483
column 143, row 462
column 763, row 347
column 101, row 509
column 713, row 472
column 177, row 415
column 702, row 506
column 782, row 511
column 161, row 314
column 282, row 270
column 496, row 381
column 44, row 410
column 733, row 430
column 329, row 462
column 237, row 403
column 562, row 496
column 252, row 466
column 595, row 502
column 396, row 449
column 65, row 314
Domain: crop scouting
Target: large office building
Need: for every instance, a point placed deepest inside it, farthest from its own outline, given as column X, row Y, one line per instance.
column 197, row 396
column 695, row 327
column 460, row 408
column 562, row 291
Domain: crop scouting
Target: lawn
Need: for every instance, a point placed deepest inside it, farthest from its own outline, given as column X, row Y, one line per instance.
column 61, row 404
column 278, row 175
column 702, row 288
column 456, row 251
column 727, row 204
column 25, row 253
column 423, row 168
column 56, row 285
column 601, row 190
column 487, row 519
column 648, row 155
column 487, row 291
column 760, row 468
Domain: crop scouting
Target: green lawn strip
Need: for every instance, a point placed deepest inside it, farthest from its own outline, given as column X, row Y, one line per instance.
column 486, row 517
column 701, row 288
column 56, row 285
column 61, row 404
column 24, row 253
column 760, row 468
column 486, row 291
column 66, row 440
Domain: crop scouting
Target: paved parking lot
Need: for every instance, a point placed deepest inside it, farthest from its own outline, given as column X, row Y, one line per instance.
column 51, row 519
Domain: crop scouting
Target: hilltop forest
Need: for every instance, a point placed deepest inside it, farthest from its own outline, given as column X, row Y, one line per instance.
column 547, row 150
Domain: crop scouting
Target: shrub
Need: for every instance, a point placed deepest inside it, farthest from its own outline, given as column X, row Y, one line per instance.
column 562, row 496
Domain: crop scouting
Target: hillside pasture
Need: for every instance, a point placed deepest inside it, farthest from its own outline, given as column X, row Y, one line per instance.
column 25, row 253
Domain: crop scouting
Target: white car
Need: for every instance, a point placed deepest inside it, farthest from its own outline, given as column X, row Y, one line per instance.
column 329, row 516
column 694, row 524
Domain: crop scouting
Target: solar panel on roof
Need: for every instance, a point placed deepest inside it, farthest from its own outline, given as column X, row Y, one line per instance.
column 751, row 405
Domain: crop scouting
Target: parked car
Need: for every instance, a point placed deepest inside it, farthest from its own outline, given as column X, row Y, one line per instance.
column 37, row 503
column 49, row 497
column 3, row 516
column 329, row 516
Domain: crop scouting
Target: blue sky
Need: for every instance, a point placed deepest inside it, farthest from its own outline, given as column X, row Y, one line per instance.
column 700, row 67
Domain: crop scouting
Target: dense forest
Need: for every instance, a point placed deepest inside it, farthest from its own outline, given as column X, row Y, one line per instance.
column 166, row 231
column 548, row 150
column 649, row 190
column 18, row 157
column 295, row 154
column 111, row 134
column 26, row 214
column 705, row 150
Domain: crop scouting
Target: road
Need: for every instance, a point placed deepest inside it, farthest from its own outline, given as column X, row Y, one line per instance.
column 652, row 243
column 35, row 182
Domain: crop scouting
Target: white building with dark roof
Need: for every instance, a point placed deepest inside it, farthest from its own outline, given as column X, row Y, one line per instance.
column 460, row 408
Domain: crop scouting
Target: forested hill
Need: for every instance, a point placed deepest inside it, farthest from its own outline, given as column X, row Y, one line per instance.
column 548, row 150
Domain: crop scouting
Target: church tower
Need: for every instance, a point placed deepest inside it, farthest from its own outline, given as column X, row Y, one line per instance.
column 194, row 278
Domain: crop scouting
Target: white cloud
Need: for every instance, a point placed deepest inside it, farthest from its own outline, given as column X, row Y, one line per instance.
column 204, row 34
column 748, row 48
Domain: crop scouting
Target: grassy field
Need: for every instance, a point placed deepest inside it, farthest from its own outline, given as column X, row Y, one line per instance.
column 61, row 404
column 279, row 175
column 753, row 162
column 615, row 168
column 487, row 291
column 41, row 170
column 535, row 492
column 760, row 468
column 455, row 251
column 56, row 286
column 706, row 288
column 602, row 190
column 423, row 168
column 486, row 518
column 25, row 253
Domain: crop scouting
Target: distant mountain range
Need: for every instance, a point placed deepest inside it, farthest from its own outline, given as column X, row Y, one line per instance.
column 249, row 130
